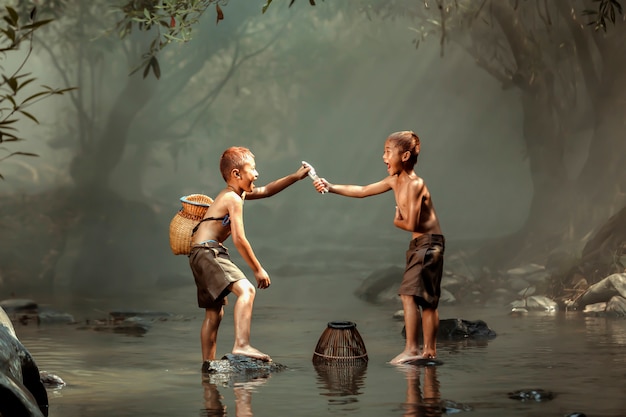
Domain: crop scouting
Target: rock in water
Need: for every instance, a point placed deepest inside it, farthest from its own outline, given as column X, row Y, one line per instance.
column 232, row 369
column 424, row 362
column 21, row 390
column 537, row 395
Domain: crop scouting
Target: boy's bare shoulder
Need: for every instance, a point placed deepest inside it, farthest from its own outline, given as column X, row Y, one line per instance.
column 224, row 200
column 390, row 180
column 418, row 182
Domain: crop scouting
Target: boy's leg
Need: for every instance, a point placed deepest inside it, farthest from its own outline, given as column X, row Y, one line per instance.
column 208, row 331
column 430, row 327
column 432, row 393
column 412, row 321
column 245, row 293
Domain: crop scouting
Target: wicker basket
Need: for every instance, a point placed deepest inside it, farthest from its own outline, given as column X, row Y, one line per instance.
column 193, row 210
column 341, row 380
column 340, row 344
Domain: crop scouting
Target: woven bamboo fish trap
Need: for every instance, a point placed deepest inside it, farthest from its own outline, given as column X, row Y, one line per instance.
column 193, row 210
column 340, row 381
column 340, row 344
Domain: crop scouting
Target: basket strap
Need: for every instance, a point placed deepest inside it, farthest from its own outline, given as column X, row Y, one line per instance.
column 223, row 219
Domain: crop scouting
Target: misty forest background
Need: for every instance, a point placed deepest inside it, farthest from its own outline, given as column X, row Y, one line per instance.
column 520, row 106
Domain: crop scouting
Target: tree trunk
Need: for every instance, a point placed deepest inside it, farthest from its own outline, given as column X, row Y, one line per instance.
column 94, row 167
column 544, row 140
column 109, row 227
column 548, row 173
column 602, row 182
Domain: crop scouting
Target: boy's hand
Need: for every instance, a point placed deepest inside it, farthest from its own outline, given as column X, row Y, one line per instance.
column 303, row 171
column 321, row 185
column 262, row 279
column 398, row 214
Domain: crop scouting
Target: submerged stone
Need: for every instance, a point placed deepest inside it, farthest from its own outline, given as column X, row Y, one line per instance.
column 459, row 329
column 424, row 362
column 452, row 407
column 232, row 369
column 537, row 395
column 132, row 326
column 50, row 380
column 536, row 303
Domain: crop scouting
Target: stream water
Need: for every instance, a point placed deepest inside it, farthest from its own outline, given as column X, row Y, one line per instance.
column 582, row 360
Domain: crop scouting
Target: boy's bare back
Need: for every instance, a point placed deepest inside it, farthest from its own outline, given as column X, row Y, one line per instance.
column 218, row 230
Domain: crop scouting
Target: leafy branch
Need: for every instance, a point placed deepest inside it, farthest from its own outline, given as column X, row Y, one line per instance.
column 607, row 10
column 170, row 20
column 12, row 107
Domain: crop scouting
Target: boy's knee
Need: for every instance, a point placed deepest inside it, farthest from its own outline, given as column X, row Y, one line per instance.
column 246, row 290
column 250, row 291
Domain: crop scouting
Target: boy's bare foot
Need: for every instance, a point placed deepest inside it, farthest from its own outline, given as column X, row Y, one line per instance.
column 429, row 355
column 252, row 352
column 404, row 357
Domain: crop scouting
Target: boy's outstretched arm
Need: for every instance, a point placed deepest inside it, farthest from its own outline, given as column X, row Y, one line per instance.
column 238, row 235
column 357, row 191
column 278, row 185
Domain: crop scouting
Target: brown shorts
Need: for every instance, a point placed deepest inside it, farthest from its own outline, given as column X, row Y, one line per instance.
column 424, row 269
column 213, row 272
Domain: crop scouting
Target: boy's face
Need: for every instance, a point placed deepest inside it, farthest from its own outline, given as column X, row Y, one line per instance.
column 392, row 157
column 247, row 175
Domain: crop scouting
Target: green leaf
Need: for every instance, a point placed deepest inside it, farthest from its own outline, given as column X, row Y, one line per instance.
column 266, row 5
column 9, row 137
column 156, row 69
column 37, row 24
column 12, row 82
column 13, row 15
column 25, row 83
column 36, row 95
column 10, row 33
column 30, row 116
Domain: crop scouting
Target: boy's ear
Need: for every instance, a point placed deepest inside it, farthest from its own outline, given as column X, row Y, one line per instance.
column 235, row 173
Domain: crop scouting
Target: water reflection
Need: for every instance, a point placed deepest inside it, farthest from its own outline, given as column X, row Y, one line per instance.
column 420, row 402
column 606, row 330
column 213, row 405
column 342, row 383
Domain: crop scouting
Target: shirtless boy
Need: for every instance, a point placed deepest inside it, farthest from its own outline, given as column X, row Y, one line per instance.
column 215, row 275
column 415, row 213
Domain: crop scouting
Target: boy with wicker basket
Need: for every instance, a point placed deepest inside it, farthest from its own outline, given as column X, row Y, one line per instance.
column 415, row 213
column 215, row 275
